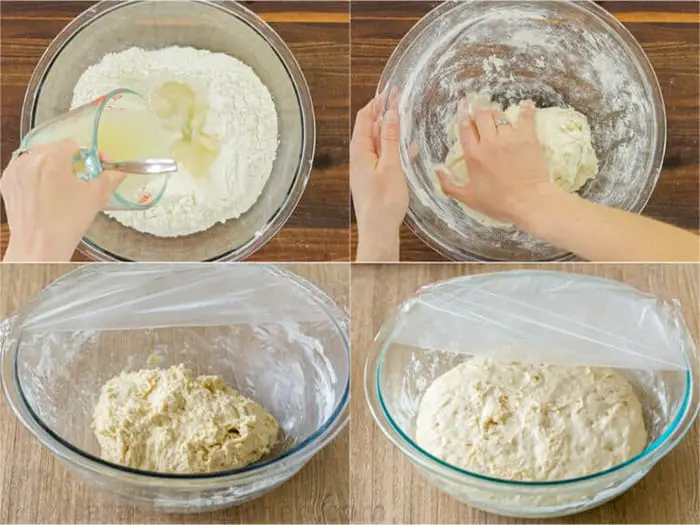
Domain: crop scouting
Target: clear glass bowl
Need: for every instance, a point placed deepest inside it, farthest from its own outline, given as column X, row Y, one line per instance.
column 397, row 374
column 110, row 27
column 79, row 332
column 555, row 52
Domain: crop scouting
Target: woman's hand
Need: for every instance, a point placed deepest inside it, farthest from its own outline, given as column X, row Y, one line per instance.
column 377, row 181
column 509, row 181
column 48, row 208
column 508, row 174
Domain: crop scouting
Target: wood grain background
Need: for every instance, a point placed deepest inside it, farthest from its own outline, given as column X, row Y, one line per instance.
column 36, row 488
column 386, row 488
column 668, row 32
column 318, row 35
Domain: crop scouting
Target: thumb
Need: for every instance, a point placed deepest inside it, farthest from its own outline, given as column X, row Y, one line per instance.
column 448, row 185
column 389, row 135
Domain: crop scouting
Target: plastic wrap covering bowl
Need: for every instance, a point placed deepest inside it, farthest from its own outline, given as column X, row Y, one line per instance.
column 535, row 317
column 270, row 334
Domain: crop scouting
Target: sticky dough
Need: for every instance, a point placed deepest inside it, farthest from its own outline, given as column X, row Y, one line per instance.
column 563, row 132
column 170, row 421
column 530, row 422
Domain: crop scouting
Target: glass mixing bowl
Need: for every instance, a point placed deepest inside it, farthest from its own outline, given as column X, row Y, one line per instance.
column 403, row 363
column 90, row 325
column 111, row 27
column 554, row 52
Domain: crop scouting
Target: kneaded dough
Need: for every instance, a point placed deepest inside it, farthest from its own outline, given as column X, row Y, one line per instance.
column 530, row 422
column 166, row 420
column 565, row 137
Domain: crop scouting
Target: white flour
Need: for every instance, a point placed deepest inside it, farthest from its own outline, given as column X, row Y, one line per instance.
column 241, row 115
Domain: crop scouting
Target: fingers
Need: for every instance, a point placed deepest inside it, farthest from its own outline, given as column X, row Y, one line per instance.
column 393, row 98
column 61, row 150
column 107, row 182
column 449, row 187
column 60, row 154
column 378, row 105
column 367, row 132
column 504, row 128
column 389, row 136
column 526, row 122
column 468, row 135
column 485, row 124
column 64, row 150
column 376, row 128
column 364, row 136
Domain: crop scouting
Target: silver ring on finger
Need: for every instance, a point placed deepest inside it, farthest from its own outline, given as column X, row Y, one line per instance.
column 502, row 122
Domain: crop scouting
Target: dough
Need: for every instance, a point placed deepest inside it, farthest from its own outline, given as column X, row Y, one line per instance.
column 563, row 132
column 169, row 421
column 530, row 422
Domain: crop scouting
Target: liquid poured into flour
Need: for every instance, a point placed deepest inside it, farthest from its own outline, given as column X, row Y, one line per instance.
column 182, row 112
column 223, row 128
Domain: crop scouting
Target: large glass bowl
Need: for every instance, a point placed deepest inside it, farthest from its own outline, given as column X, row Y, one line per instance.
column 555, row 52
column 403, row 364
column 226, row 27
column 96, row 322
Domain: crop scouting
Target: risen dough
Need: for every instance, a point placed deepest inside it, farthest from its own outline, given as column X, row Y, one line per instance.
column 530, row 422
column 169, row 421
column 565, row 137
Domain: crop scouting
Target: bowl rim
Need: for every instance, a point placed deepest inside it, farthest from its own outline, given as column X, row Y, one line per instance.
column 685, row 415
column 307, row 116
column 642, row 64
column 289, row 459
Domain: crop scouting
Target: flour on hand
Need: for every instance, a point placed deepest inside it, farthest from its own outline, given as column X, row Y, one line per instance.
column 240, row 118
column 564, row 134
column 530, row 422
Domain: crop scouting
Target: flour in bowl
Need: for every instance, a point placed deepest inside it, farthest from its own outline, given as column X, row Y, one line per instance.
column 222, row 124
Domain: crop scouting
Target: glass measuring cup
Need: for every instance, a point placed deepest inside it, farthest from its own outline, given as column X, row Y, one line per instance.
column 120, row 126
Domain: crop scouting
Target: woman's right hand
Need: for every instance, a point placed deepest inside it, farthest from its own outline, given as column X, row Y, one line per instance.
column 508, row 173
column 48, row 208
column 509, row 181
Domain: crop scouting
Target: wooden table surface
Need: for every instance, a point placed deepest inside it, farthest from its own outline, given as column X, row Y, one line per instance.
column 36, row 488
column 668, row 32
column 386, row 488
column 318, row 35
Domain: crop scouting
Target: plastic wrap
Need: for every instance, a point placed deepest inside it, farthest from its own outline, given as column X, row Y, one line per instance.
column 106, row 298
column 536, row 317
column 546, row 317
column 267, row 332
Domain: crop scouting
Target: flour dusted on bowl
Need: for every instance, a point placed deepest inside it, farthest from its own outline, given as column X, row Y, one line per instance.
column 225, row 144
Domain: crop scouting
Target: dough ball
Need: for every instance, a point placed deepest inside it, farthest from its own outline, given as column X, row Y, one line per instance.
column 170, row 421
column 530, row 422
column 565, row 137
